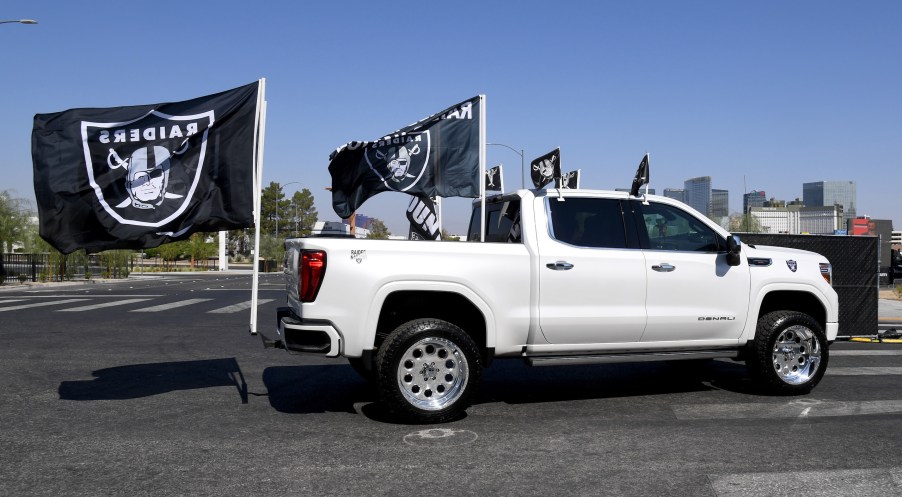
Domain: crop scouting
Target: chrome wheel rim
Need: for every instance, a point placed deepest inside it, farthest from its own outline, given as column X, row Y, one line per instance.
column 796, row 355
column 432, row 373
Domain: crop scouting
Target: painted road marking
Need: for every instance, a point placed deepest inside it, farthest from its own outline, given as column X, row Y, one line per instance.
column 839, row 482
column 40, row 304
column 865, row 371
column 802, row 408
column 834, row 353
column 172, row 305
column 101, row 306
column 238, row 307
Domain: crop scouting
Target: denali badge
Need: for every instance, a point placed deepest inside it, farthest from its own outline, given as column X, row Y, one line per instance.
column 792, row 265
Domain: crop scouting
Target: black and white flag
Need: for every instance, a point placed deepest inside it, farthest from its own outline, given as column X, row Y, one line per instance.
column 641, row 178
column 140, row 176
column 494, row 179
column 438, row 156
column 423, row 219
column 544, row 169
column 568, row 181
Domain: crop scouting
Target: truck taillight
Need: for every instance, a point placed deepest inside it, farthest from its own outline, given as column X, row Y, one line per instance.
column 827, row 272
column 310, row 274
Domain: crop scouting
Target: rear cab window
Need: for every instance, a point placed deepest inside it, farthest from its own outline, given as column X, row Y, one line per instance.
column 502, row 221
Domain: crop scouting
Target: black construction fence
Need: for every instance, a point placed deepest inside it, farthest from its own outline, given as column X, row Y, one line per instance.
column 855, row 273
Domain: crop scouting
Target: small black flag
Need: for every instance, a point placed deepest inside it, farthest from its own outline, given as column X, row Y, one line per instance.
column 494, row 180
column 568, row 181
column 137, row 177
column 641, row 177
column 546, row 168
column 423, row 219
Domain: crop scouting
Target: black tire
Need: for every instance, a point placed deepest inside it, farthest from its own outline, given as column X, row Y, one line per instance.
column 429, row 370
column 370, row 375
column 789, row 355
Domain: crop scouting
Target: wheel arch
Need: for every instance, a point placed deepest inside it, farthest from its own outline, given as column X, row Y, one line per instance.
column 795, row 299
column 397, row 304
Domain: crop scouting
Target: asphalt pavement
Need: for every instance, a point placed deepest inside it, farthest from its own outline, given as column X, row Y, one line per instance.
column 152, row 386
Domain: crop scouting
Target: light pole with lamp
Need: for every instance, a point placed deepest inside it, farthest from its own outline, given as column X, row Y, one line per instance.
column 522, row 162
column 20, row 21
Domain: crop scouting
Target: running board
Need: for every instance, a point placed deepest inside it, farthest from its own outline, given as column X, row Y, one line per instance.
column 643, row 357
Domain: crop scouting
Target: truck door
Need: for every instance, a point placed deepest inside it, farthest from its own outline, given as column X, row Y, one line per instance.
column 693, row 294
column 591, row 273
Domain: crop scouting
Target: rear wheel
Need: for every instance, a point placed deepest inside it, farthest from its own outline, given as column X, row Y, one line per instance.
column 428, row 371
column 789, row 354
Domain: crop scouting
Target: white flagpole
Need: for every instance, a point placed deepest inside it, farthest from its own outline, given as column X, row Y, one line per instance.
column 438, row 214
column 482, row 167
column 258, row 180
column 501, row 176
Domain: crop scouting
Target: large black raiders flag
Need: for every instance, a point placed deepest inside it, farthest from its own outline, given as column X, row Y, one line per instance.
column 140, row 176
column 438, row 156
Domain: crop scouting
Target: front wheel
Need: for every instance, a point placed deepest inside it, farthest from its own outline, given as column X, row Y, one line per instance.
column 428, row 370
column 789, row 353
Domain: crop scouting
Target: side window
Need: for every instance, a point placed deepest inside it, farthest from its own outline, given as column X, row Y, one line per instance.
column 670, row 228
column 587, row 222
column 502, row 222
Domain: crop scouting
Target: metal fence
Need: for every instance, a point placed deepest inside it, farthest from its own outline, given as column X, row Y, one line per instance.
column 48, row 267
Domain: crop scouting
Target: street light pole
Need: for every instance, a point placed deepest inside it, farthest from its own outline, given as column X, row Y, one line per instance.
column 522, row 162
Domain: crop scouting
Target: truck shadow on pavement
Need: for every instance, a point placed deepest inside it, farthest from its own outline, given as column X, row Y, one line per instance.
column 337, row 388
column 144, row 380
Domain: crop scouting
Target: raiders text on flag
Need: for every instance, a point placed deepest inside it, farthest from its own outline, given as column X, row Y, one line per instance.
column 137, row 177
column 438, row 156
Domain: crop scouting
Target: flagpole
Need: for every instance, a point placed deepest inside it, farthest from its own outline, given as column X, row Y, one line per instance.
column 482, row 166
column 255, row 284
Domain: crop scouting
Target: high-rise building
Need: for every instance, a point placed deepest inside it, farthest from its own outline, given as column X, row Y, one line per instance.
column 827, row 193
column 753, row 198
column 675, row 193
column 720, row 203
column 698, row 193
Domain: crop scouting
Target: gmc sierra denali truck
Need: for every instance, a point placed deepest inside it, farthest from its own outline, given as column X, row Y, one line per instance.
column 562, row 277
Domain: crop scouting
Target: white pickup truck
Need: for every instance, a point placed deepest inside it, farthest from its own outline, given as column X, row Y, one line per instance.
column 563, row 277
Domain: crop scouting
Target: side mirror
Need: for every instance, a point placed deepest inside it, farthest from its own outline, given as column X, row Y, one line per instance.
column 734, row 246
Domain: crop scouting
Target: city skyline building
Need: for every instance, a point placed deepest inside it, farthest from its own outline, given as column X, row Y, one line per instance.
column 698, row 193
column 720, row 203
column 827, row 193
column 754, row 198
column 675, row 193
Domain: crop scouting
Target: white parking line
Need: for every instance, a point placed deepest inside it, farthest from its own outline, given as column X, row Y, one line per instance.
column 838, row 482
column 865, row 371
column 172, row 305
column 101, row 306
column 834, row 353
column 802, row 408
column 10, row 301
column 40, row 304
column 238, row 307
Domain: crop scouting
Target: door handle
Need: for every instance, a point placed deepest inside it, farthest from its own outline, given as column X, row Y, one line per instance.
column 559, row 265
column 664, row 268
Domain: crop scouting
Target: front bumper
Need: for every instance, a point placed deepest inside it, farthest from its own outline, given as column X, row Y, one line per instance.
column 308, row 336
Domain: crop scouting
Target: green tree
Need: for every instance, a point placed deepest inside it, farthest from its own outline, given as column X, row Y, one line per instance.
column 273, row 208
column 378, row 230
column 301, row 215
column 200, row 248
column 14, row 216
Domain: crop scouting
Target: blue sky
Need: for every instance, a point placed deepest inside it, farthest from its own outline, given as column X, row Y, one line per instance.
column 761, row 95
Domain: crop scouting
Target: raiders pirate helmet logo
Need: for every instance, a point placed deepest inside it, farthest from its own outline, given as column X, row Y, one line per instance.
column 144, row 172
column 400, row 160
